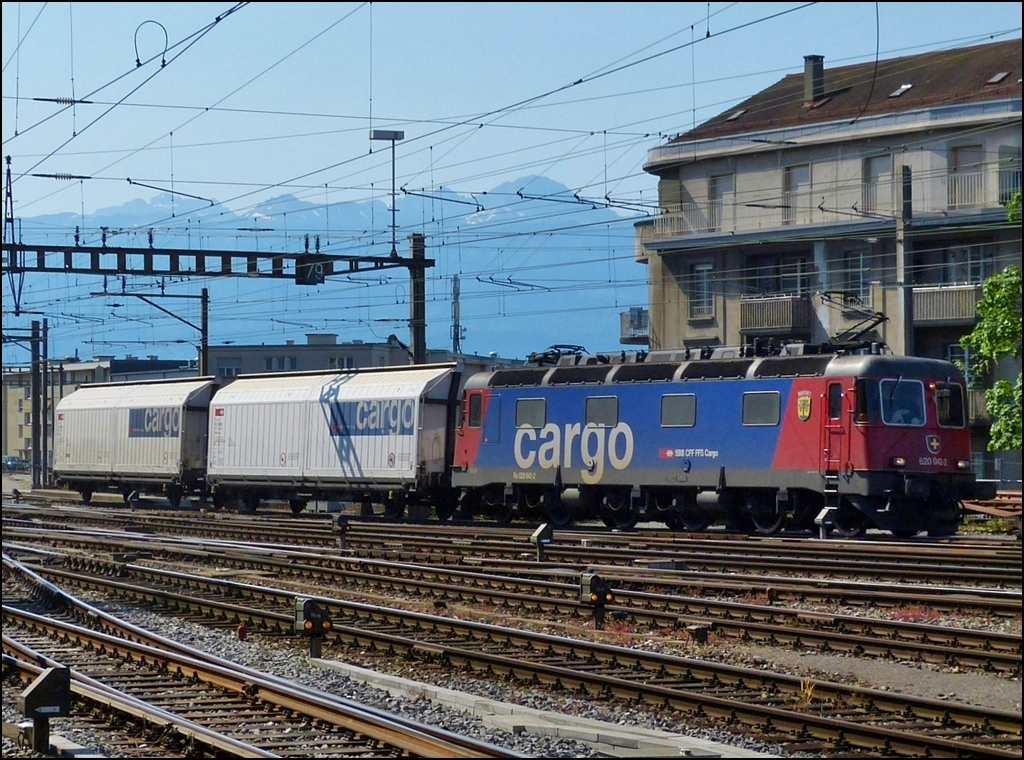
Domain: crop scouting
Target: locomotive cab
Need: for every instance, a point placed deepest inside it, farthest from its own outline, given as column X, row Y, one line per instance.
column 900, row 460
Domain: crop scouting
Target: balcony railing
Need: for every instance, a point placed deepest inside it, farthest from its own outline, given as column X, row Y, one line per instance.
column 775, row 314
column 634, row 326
column 946, row 305
column 987, row 188
column 966, row 189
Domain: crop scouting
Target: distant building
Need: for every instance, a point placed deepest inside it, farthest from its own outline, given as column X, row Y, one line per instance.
column 323, row 352
column 837, row 194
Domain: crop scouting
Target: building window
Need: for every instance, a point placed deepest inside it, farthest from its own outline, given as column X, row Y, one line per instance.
column 857, row 274
column 969, row 264
column 283, row 363
column 702, row 299
column 721, row 199
column 796, row 194
column 229, row 367
column 778, row 275
column 794, row 275
column 877, row 171
column 341, row 362
column 966, row 181
column 268, row 364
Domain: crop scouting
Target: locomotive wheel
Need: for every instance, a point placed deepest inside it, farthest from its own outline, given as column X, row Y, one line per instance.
column 761, row 513
column 690, row 520
column 548, row 502
column 848, row 522
column 502, row 513
column 616, row 509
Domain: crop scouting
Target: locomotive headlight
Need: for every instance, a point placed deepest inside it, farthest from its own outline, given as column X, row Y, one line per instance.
column 899, row 461
column 963, row 464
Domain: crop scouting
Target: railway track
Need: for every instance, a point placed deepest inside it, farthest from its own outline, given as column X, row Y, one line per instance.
column 235, row 711
column 645, row 572
column 991, row 563
column 555, row 600
column 799, row 714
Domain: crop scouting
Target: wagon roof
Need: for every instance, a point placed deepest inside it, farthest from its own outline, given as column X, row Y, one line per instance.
column 119, row 395
column 403, row 382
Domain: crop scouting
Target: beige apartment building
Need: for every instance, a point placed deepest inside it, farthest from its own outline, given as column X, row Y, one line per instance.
column 861, row 202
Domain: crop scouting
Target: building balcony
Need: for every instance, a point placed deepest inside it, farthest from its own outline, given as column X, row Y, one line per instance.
column 634, row 326
column 977, row 411
column 946, row 305
column 775, row 315
column 966, row 189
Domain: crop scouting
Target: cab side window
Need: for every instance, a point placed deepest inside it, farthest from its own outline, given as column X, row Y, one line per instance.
column 475, row 409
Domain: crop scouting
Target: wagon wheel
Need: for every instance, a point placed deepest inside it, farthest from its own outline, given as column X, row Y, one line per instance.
column 296, row 505
column 249, row 503
column 86, row 495
column 394, row 507
column 616, row 509
column 174, row 494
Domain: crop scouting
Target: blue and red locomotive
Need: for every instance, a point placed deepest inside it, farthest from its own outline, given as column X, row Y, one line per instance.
column 850, row 440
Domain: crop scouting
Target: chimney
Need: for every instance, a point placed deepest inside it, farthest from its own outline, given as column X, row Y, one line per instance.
column 814, row 77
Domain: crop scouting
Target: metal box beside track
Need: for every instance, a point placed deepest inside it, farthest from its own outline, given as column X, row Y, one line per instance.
column 133, row 436
column 371, row 429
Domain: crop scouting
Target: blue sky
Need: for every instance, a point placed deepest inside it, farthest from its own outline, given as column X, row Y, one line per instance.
column 279, row 98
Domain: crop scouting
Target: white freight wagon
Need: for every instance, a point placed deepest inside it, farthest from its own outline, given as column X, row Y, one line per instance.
column 370, row 435
column 148, row 437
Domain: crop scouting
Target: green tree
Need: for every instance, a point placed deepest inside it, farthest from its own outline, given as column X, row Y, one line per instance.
column 996, row 335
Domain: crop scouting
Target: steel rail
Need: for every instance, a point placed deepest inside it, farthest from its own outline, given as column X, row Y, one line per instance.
column 684, row 582
column 777, row 625
column 682, row 683
column 29, row 664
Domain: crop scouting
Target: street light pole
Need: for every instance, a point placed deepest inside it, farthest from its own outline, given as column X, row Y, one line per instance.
column 392, row 135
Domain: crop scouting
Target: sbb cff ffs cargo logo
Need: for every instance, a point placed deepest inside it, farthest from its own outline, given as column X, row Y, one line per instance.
column 157, row 422
column 374, row 417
